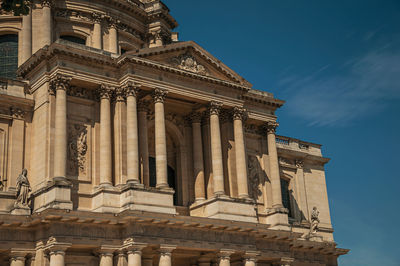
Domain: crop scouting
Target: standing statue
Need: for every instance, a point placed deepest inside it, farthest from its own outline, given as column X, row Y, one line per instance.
column 23, row 189
column 314, row 221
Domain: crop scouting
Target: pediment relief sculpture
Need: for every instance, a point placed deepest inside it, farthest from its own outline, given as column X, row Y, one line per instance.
column 188, row 62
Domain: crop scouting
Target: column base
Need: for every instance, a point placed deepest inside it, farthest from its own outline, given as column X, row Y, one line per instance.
column 133, row 197
column 55, row 195
column 224, row 207
column 276, row 217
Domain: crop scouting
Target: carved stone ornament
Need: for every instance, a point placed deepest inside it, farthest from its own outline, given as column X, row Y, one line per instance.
column 131, row 88
column 120, row 94
column 196, row 117
column 299, row 163
column 159, row 95
column 23, row 190
column 187, row 62
column 46, row 3
column 314, row 221
column 239, row 113
column 67, row 13
column 214, row 107
column 60, row 82
column 105, row 92
column 77, row 149
column 254, row 177
column 17, row 113
column 81, row 92
column 97, row 17
column 271, row 127
column 112, row 22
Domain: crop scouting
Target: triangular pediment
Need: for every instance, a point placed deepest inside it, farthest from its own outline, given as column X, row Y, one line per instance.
column 189, row 56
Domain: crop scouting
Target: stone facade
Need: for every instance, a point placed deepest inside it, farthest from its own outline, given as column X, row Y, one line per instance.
column 144, row 150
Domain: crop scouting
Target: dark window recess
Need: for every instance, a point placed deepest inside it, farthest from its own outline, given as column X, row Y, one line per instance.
column 8, row 56
column 73, row 39
column 171, row 177
column 123, row 51
column 286, row 195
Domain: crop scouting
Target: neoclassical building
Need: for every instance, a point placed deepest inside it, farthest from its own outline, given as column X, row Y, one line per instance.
column 141, row 149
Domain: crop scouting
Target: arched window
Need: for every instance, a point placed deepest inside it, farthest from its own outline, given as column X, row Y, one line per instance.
column 8, row 55
column 286, row 196
column 73, row 39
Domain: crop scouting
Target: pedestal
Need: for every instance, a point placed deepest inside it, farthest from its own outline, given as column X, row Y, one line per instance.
column 223, row 207
column 276, row 217
column 21, row 210
column 56, row 195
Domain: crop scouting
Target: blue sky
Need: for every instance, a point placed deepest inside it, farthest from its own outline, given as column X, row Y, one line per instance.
column 337, row 65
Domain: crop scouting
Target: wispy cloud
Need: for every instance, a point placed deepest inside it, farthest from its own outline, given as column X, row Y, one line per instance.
column 332, row 97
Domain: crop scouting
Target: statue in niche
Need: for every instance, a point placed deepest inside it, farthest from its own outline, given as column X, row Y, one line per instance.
column 77, row 149
column 23, row 190
column 314, row 221
column 254, row 177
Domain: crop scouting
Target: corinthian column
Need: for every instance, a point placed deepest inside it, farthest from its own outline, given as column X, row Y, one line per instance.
column 143, row 108
column 105, row 136
column 132, row 133
column 166, row 255
column 96, row 35
column 160, row 138
column 240, row 152
column 216, row 150
column 46, row 27
column 274, row 166
column 60, row 84
column 198, row 164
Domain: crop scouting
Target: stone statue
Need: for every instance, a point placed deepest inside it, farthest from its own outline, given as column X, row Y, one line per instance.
column 314, row 221
column 23, row 189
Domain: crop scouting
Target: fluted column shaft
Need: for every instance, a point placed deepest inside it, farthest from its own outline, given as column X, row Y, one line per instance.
column 240, row 152
column 216, row 150
column 105, row 136
column 143, row 142
column 26, row 37
column 198, row 162
column 134, row 258
column 160, row 139
column 274, row 166
column 46, row 27
column 60, row 84
column 57, row 258
column 132, row 133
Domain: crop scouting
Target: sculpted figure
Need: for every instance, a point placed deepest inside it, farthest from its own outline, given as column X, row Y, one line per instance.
column 23, row 189
column 314, row 221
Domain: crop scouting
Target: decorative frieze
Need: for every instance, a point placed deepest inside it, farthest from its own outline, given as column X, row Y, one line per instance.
column 97, row 17
column 68, row 13
column 81, row 92
column 187, row 62
column 77, row 149
column 17, row 113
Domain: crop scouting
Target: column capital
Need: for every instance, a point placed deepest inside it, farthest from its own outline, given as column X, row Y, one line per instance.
column 113, row 22
column 214, row 107
column 239, row 113
column 120, row 94
column 299, row 163
column 143, row 106
column 166, row 249
column 46, row 3
column 271, row 127
column 251, row 256
column 59, row 82
column 131, row 88
column 196, row 117
column 97, row 17
column 105, row 91
column 17, row 113
column 159, row 95
column 225, row 254
column 53, row 245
